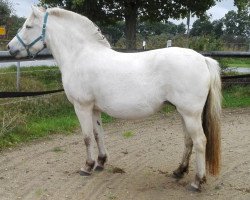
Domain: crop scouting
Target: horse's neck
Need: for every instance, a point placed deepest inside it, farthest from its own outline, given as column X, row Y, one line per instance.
column 65, row 42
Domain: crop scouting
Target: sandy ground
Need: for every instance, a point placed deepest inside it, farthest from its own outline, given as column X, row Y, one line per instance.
column 48, row 169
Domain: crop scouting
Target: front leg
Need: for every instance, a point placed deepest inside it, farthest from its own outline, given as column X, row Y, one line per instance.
column 84, row 114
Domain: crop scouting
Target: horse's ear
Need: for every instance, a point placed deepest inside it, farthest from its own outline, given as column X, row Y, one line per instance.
column 36, row 11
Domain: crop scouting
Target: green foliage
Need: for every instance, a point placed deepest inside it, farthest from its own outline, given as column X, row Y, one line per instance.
column 5, row 11
column 202, row 27
column 149, row 28
column 128, row 134
column 31, row 79
column 106, row 118
column 236, row 62
column 8, row 19
column 168, row 108
column 218, row 28
column 242, row 4
column 237, row 23
column 113, row 32
column 236, row 96
column 205, row 43
column 14, row 23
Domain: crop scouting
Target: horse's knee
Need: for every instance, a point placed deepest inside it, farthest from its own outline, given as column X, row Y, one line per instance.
column 87, row 141
column 96, row 136
column 200, row 144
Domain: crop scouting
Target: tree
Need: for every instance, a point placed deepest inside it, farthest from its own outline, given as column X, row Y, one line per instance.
column 242, row 4
column 237, row 24
column 5, row 11
column 8, row 19
column 113, row 31
column 181, row 28
column 107, row 11
column 149, row 28
column 218, row 28
column 14, row 23
column 202, row 26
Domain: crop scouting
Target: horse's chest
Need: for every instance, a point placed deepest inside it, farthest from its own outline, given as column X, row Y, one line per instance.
column 76, row 89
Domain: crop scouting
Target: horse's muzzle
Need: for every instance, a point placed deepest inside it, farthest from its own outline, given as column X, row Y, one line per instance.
column 13, row 52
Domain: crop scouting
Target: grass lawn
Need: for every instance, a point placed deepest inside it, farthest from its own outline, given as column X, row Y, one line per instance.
column 235, row 62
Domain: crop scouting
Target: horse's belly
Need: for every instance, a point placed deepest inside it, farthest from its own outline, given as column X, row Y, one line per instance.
column 126, row 110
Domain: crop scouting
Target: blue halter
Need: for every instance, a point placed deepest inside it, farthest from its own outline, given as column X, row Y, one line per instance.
column 40, row 38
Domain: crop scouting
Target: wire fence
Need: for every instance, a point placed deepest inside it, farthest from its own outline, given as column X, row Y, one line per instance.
column 33, row 98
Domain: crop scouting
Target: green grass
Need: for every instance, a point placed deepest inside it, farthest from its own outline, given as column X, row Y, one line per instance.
column 128, row 134
column 168, row 108
column 235, row 62
column 236, row 97
column 57, row 149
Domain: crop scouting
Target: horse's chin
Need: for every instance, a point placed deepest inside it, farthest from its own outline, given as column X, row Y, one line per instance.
column 21, row 55
column 18, row 56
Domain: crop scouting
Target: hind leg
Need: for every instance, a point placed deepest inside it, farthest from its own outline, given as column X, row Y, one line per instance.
column 98, row 133
column 184, row 165
column 194, row 129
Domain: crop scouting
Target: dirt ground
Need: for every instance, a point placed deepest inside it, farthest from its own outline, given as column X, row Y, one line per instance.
column 48, row 169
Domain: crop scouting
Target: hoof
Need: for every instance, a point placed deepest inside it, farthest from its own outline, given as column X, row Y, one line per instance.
column 101, row 160
column 180, row 171
column 87, row 170
column 177, row 175
column 99, row 168
column 194, row 188
column 84, row 173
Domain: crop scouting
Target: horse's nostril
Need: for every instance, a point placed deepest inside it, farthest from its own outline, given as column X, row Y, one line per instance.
column 8, row 47
column 14, row 53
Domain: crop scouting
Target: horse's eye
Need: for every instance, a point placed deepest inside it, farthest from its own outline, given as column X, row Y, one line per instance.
column 28, row 27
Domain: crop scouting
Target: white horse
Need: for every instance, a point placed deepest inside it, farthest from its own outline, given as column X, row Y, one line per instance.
column 128, row 85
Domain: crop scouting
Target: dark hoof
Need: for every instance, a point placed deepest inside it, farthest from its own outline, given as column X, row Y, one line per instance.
column 83, row 173
column 99, row 168
column 177, row 175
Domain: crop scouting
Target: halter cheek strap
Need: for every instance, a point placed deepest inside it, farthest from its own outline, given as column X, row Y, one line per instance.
column 40, row 38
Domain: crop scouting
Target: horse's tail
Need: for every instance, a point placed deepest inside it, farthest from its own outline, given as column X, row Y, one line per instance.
column 211, row 118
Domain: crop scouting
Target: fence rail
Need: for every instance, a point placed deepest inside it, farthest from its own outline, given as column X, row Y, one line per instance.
column 6, row 57
column 45, row 54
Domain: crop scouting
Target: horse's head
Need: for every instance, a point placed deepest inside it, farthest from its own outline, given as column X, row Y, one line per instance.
column 30, row 39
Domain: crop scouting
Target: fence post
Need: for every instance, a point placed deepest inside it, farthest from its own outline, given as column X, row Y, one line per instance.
column 18, row 76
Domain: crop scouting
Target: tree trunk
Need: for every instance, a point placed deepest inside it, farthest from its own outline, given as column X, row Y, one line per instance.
column 131, row 10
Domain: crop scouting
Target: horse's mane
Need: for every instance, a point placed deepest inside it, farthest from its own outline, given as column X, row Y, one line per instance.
column 87, row 24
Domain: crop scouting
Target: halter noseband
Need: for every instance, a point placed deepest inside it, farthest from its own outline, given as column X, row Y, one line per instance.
column 41, row 37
